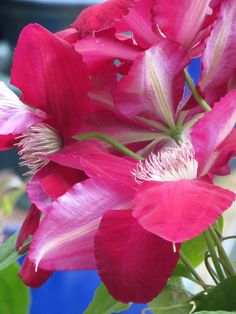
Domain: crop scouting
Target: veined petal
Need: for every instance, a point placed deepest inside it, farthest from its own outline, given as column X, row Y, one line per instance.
column 15, row 117
column 51, row 182
column 140, row 23
column 64, row 239
column 89, row 157
column 32, row 278
column 102, row 16
column 58, row 84
column 161, row 208
column 211, row 130
column 125, row 131
column 154, row 84
column 134, row 264
column 98, row 51
column 219, row 59
column 182, row 20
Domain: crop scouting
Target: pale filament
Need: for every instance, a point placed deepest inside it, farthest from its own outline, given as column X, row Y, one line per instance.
column 170, row 164
column 37, row 142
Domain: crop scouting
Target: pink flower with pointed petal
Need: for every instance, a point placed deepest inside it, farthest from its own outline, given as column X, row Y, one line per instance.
column 168, row 196
column 57, row 89
column 174, row 184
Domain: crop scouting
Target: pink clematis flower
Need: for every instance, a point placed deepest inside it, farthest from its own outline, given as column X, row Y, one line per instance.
column 140, row 210
column 54, row 83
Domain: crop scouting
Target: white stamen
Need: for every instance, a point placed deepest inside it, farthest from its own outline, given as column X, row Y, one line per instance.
column 170, row 164
column 35, row 143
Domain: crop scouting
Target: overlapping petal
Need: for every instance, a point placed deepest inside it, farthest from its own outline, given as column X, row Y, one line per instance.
column 211, row 130
column 154, row 84
column 29, row 226
column 65, row 238
column 99, row 53
column 15, row 117
column 134, row 264
column 178, row 211
column 89, row 157
column 185, row 21
column 51, row 182
column 32, row 278
column 55, row 80
column 102, row 16
column 219, row 58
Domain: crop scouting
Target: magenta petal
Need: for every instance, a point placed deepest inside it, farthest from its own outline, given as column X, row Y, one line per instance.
column 102, row 16
column 183, row 20
column 15, row 117
column 58, row 84
column 51, row 182
column 181, row 210
column 94, row 161
column 29, row 226
column 97, row 52
column 219, row 59
column 64, row 239
column 134, row 264
column 140, row 23
column 32, row 278
column 210, row 131
column 154, row 84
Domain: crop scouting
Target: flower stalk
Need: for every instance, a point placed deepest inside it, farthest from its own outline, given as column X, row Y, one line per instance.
column 195, row 93
column 109, row 140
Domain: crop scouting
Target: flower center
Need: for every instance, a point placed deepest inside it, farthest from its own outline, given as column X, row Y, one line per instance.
column 170, row 164
column 37, row 142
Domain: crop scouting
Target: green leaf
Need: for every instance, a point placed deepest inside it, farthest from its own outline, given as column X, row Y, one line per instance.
column 103, row 303
column 195, row 249
column 8, row 253
column 14, row 295
column 215, row 312
column 173, row 299
column 182, row 271
column 222, row 297
column 175, row 309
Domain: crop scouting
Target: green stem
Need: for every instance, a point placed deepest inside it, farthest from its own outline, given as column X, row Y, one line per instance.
column 225, row 260
column 214, row 257
column 194, row 273
column 110, row 141
column 229, row 238
column 210, row 270
column 195, row 93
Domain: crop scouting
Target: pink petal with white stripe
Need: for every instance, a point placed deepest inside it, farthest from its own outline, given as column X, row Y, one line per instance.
column 154, row 84
column 134, row 264
column 211, row 130
column 65, row 238
column 181, row 210
column 219, row 59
